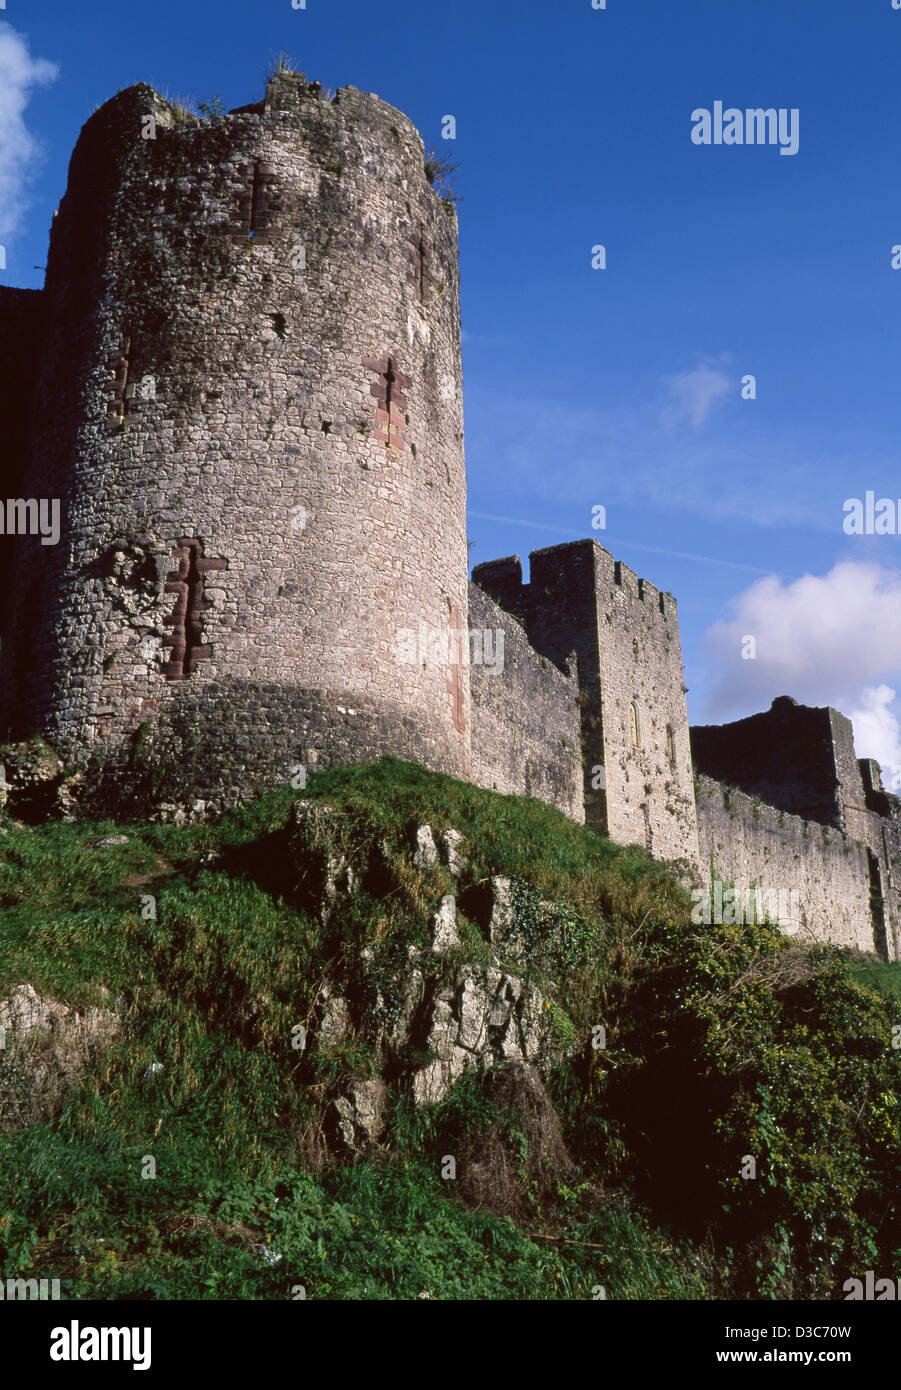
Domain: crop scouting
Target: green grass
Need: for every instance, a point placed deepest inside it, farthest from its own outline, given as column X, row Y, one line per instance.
column 883, row 974
column 721, row 1041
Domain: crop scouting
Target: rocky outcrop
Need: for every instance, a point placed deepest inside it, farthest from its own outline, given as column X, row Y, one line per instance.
column 360, row 1114
column 473, row 1015
column 44, row 1047
column 481, row 1017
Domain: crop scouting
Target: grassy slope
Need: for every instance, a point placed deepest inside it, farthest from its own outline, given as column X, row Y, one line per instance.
column 730, row 1037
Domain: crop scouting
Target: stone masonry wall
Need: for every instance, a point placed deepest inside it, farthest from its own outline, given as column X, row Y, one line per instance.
column 649, row 793
column 885, row 839
column 785, row 755
column 625, row 634
column 526, row 720
column 21, row 336
column 748, row 842
column 650, row 788
column 802, row 760
column 256, row 427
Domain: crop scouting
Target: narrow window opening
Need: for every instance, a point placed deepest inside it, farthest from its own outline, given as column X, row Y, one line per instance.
column 390, row 379
column 418, row 275
column 422, row 253
column 255, row 194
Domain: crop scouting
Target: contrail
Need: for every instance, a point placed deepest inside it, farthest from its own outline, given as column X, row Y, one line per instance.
column 618, row 540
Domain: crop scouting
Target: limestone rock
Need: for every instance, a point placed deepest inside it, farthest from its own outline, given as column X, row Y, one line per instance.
column 413, row 994
column 360, row 1114
column 444, row 927
column 433, row 1082
column 48, row 1043
column 425, row 856
column 482, row 1017
column 452, row 855
column 473, row 1006
column 334, row 1025
column 501, row 931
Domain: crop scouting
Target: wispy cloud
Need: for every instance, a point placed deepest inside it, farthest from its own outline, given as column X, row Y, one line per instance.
column 694, row 394
column 485, row 340
column 831, row 639
column 741, row 468
column 20, row 73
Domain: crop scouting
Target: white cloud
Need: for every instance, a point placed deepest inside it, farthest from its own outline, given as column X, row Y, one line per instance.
column 832, row 639
column 877, row 733
column 19, row 74
column 692, row 395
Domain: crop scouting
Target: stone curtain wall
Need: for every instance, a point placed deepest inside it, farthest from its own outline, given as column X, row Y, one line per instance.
column 752, row 843
column 562, row 616
column 629, row 655
column 526, row 723
column 625, row 634
column 254, row 346
column 886, row 836
column 650, row 788
column 786, row 756
column 21, row 335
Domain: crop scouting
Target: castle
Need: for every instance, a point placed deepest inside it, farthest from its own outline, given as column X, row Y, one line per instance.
column 235, row 542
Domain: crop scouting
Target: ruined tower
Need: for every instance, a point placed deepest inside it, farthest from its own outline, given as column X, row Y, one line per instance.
column 249, row 401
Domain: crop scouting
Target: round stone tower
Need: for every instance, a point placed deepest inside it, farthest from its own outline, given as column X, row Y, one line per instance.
column 250, row 408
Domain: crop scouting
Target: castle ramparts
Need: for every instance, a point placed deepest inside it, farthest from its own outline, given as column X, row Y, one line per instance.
column 241, row 388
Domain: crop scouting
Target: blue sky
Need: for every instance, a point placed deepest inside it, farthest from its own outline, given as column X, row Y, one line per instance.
column 616, row 387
